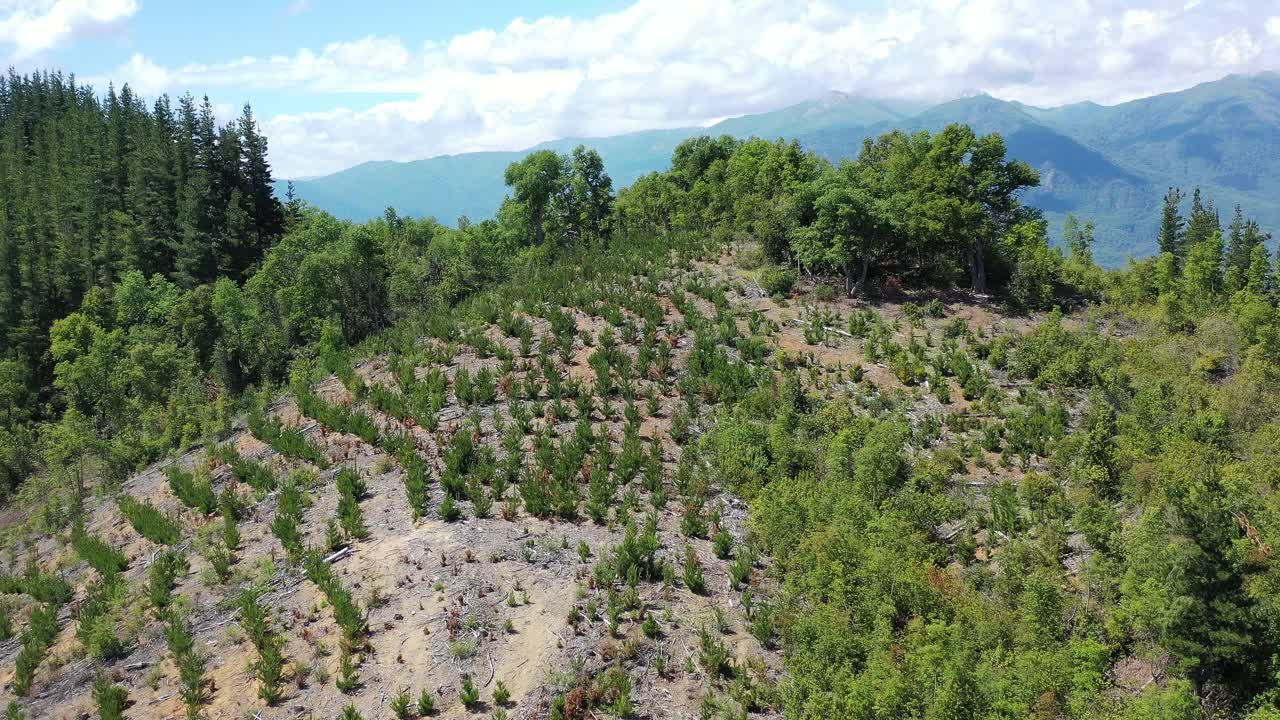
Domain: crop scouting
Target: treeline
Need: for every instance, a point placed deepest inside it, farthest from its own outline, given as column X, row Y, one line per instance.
column 94, row 187
column 99, row 190
column 937, row 208
column 101, row 194
column 1200, row 263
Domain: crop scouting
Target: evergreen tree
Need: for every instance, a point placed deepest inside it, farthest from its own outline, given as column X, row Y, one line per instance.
column 1172, row 226
column 1239, row 255
column 1202, row 273
column 1078, row 238
column 1260, row 277
column 1202, row 223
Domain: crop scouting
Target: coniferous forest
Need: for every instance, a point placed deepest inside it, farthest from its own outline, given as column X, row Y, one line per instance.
column 103, row 190
column 756, row 436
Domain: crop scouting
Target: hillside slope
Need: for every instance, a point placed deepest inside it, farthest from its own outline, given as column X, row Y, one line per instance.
column 635, row 485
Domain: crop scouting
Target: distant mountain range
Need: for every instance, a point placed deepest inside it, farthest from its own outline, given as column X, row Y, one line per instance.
column 1111, row 164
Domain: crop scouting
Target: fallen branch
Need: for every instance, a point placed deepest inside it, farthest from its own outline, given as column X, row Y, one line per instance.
column 335, row 557
column 827, row 328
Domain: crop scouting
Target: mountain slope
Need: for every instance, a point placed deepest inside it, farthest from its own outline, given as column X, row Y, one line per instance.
column 1107, row 163
column 833, row 111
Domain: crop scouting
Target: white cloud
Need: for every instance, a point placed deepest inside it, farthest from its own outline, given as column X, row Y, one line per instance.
column 30, row 27
column 1235, row 48
column 667, row 63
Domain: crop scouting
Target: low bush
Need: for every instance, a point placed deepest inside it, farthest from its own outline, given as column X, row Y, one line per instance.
column 195, row 491
column 111, row 699
column 101, row 556
column 163, row 576
column 149, row 521
column 776, row 280
column 35, row 643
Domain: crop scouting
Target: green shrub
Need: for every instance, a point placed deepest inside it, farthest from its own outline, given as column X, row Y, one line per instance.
column 101, row 557
column 257, row 475
column 286, row 525
column 270, row 669
column 196, row 492
column 230, row 530
column 694, row 578
column 426, row 703
column 341, row 418
column 449, row 510
column 763, row 626
column 110, row 698
column 149, row 521
column 41, row 586
column 650, row 626
column 469, row 694
column 635, row 556
column 35, row 642
column 351, row 620
column 347, row 680
column 253, row 618
column 98, row 618
column 713, row 655
column 163, row 576
column 191, row 667
column 401, row 705
column 501, row 695
column 776, row 280
column 350, row 489
column 290, row 442
column 740, row 571
column 722, row 544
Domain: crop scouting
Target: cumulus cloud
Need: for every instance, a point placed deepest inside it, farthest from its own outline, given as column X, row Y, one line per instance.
column 30, row 27
column 668, row 63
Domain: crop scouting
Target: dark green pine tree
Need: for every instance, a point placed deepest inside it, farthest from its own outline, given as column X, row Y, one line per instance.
column 266, row 214
column 1244, row 238
column 1202, row 222
column 153, row 193
column 1172, row 226
column 195, row 256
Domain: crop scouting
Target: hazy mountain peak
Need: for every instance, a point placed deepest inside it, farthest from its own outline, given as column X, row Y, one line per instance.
column 832, row 98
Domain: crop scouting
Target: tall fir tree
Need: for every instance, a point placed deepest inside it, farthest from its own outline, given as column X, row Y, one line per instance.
column 1202, row 222
column 1172, row 225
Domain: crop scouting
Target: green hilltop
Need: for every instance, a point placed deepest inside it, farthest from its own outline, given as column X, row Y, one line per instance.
column 1110, row 164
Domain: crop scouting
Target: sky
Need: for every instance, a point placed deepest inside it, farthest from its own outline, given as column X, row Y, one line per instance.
column 335, row 83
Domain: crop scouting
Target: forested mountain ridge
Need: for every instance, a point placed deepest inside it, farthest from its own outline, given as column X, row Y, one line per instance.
column 1103, row 162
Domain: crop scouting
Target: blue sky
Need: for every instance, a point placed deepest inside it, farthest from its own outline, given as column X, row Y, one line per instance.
column 163, row 32
column 335, row 83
